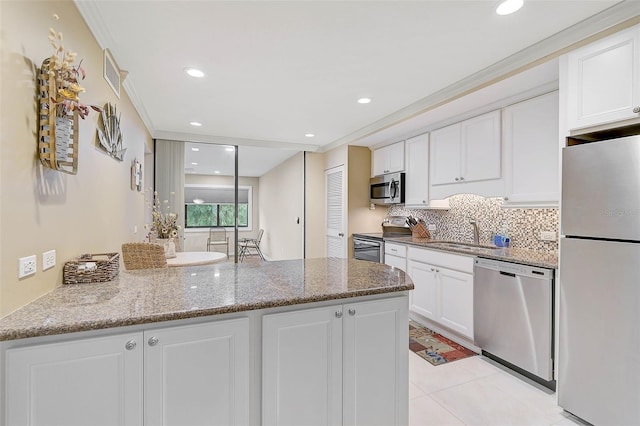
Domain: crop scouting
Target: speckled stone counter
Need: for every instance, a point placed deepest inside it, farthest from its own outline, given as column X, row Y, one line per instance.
column 147, row 296
column 516, row 255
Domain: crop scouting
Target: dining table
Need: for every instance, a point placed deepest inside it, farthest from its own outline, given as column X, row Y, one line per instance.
column 195, row 258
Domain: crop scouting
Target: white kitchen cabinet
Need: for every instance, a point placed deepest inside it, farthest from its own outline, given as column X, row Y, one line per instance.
column 197, row 374
column 603, row 80
column 466, row 157
column 388, row 159
column 532, row 154
column 395, row 255
column 96, row 381
column 343, row 364
column 187, row 375
column 417, row 172
column 443, row 288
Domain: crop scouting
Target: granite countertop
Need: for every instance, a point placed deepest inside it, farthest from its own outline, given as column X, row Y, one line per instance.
column 155, row 295
column 538, row 258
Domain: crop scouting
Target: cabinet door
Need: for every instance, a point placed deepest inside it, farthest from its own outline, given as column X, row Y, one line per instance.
column 302, row 367
column 444, row 155
column 424, row 296
column 198, row 374
column 532, row 151
column 93, row 381
column 395, row 261
column 456, row 301
column 481, row 153
column 376, row 363
column 378, row 165
column 395, row 157
column 417, row 177
column 603, row 81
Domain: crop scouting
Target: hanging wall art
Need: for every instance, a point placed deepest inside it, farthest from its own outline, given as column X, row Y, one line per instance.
column 109, row 132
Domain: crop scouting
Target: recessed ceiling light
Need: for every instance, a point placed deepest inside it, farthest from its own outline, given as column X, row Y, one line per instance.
column 509, row 6
column 195, row 149
column 310, row 135
column 230, row 149
column 195, row 123
column 194, row 164
column 198, row 200
column 364, row 100
column 217, row 172
column 194, row 72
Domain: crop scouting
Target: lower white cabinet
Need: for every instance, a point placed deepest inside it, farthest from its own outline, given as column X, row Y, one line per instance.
column 186, row 375
column 344, row 364
column 395, row 255
column 443, row 288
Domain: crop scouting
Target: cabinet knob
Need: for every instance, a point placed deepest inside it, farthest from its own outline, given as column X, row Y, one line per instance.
column 424, row 201
column 130, row 345
column 338, row 314
column 352, row 311
column 437, row 270
column 461, row 178
column 433, row 269
column 341, row 234
column 636, row 109
column 457, row 179
column 153, row 341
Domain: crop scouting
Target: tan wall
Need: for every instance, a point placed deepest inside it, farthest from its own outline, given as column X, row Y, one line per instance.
column 281, row 203
column 316, row 216
column 92, row 212
column 197, row 240
column 360, row 217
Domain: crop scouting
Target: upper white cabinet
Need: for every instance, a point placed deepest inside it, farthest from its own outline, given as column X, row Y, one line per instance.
column 530, row 132
column 603, row 81
column 417, row 171
column 467, row 157
column 343, row 364
column 388, row 159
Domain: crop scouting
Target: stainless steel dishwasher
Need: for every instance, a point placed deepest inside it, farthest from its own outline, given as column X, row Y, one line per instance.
column 513, row 316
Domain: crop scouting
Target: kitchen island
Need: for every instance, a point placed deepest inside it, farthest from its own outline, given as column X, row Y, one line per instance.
column 292, row 341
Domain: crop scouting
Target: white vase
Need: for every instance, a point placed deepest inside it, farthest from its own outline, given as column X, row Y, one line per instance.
column 169, row 247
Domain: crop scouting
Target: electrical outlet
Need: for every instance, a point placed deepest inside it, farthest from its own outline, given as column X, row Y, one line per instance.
column 27, row 266
column 48, row 259
column 547, row 235
column 432, row 227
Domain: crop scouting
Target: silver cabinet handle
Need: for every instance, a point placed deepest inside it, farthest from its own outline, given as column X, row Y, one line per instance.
column 433, row 269
column 461, row 178
column 352, row 311
column 437, row 270
column 424, row 201
column 636, row 109
column 153, row 341
column 393, row 250
column 341, row 234
column 338, row 314
column 457, row 179
column 130, row 345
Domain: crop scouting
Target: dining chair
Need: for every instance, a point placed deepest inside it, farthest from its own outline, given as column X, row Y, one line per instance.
column 251, row 243
column 218, row 236
column 143, row 256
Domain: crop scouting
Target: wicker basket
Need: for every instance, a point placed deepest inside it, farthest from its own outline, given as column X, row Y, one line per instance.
column 420, row 231
column 92, row 268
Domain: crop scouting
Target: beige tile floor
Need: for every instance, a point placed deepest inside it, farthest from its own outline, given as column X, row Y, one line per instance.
column 478, row 391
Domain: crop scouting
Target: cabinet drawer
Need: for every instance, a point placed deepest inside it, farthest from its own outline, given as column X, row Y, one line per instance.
column 395, row 249
column 440, row 258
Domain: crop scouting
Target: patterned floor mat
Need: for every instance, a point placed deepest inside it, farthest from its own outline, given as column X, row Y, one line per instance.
column 433, row 347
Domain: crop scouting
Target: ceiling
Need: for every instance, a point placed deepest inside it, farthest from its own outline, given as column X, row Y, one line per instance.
column 277, row 70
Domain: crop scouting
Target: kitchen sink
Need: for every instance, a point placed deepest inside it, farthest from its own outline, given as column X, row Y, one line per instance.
column 464, row 246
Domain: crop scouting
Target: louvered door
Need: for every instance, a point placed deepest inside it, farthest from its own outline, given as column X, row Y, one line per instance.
column 336, row 241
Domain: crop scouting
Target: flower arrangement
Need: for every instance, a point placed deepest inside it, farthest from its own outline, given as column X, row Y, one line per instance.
column 67, row 76
column 164, row 223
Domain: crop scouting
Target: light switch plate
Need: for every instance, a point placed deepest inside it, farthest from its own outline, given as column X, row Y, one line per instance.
column 548, row 235
column 432, row 227
column 48, row 259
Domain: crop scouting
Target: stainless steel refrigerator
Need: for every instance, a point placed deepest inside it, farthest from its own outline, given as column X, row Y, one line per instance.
column 599, row 334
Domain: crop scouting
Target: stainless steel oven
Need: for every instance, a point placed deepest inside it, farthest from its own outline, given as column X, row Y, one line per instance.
column 368, row 247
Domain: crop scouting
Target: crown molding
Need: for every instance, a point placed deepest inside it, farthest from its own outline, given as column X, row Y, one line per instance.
column 225, row 140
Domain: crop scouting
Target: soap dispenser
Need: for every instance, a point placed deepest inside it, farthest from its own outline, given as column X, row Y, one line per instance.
column 501, row 239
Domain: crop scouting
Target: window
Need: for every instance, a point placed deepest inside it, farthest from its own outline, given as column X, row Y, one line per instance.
column 209, row 206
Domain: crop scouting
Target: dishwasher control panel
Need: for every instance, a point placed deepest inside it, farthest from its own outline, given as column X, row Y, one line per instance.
column 514, row 268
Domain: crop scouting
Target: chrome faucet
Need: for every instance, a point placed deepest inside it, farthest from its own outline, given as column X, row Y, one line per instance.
column 476, row 237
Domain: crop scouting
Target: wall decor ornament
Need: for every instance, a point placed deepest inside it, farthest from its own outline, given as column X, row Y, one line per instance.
column 59, row 107
column 136, row 175
column 109, row 132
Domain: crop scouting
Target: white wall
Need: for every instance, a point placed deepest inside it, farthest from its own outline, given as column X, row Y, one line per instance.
column 281, row 205
column 94, row 211
column 316, row 217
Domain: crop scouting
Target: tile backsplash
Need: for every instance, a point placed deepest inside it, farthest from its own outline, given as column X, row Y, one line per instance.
column 523, row 225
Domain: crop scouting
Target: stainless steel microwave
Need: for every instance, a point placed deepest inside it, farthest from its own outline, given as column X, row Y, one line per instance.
column 387, row 189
